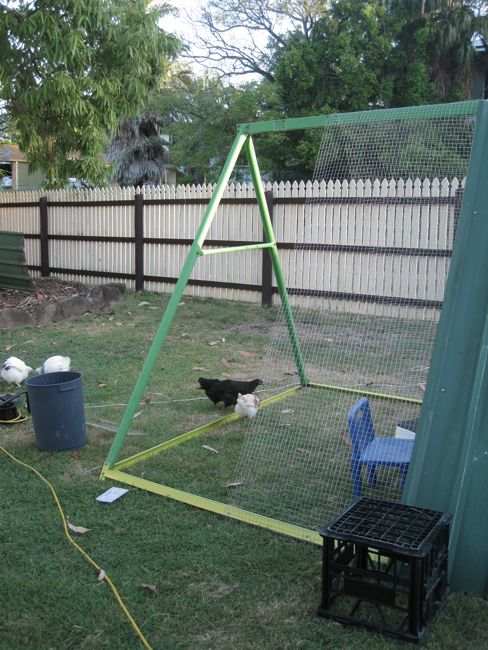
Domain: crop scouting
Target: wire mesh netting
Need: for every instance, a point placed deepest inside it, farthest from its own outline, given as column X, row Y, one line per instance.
column 372, row 251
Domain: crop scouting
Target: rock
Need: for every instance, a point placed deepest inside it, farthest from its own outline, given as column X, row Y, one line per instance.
column 96, row 297
column 112, row 292
column 14, row 318
column 74, row 306
column 47, row 312
column 119, row 285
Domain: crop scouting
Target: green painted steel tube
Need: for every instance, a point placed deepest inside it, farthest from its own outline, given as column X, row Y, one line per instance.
column 449, row 465
column 234, row 249
column 361, row 117
column 169, row 313
column 275, row 259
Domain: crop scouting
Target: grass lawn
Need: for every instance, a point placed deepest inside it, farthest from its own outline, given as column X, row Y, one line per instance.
column 213, row 582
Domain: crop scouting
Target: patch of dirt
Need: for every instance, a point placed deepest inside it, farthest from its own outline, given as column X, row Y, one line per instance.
column 44, row 290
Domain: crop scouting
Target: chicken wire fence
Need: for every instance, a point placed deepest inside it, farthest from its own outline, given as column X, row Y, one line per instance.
column 352, row 354
column 298, row 455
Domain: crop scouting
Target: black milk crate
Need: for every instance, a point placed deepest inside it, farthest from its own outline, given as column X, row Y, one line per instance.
column 385, row 567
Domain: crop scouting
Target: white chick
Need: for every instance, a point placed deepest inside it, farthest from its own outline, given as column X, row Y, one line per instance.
column 54, row 364
column 14, row 371
column 247, row 405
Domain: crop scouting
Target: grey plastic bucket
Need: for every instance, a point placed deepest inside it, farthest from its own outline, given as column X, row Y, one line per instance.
column 58, row 412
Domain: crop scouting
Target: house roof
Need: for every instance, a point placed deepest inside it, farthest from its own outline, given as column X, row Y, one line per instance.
column 11, row 153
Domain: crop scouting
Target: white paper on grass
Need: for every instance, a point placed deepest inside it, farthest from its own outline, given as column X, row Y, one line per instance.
column 111, row 494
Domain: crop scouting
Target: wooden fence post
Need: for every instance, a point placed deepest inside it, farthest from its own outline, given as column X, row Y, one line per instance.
column 44, row 241
column 267, row 272
column 139, row 241
column 457, row 210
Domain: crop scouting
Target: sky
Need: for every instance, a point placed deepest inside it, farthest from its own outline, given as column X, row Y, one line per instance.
column 182, row 25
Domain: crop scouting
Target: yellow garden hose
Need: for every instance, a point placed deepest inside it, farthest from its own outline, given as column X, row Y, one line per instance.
column 19, row 418
column 101, row 573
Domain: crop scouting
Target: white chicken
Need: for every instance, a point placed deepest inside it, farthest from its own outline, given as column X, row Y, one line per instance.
column 247, row 405
column 54, row 364
column 14, row 371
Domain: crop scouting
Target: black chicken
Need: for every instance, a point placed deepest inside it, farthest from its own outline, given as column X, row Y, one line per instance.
column 227, row 390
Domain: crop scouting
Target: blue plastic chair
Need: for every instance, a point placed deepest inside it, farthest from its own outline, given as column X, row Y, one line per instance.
column 371, row 451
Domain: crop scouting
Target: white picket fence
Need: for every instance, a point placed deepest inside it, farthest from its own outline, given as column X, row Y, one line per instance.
column 378, row 239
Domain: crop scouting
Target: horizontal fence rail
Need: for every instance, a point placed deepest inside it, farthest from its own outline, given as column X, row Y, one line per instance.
column 380, row 242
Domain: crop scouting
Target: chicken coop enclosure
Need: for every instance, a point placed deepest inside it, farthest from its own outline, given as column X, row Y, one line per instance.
column 302, row 460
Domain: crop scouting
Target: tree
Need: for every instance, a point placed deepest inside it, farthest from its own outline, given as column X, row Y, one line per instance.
column 138, row 152
column 451, row 26
column 340, row 66
column 243, row 35
column 70, row 70
column 408, row 68
column 318, row 57
column 201, row 116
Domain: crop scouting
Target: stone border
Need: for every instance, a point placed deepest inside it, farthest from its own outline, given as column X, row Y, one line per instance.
column 53, row 311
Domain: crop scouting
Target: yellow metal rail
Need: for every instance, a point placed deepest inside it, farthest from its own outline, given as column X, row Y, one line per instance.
column 233, row 512
column 184, row 437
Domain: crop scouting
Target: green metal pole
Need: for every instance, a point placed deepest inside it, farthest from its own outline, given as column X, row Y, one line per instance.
column 275, row 259
column 169, row 313
column 234, row 249
column 361, row 117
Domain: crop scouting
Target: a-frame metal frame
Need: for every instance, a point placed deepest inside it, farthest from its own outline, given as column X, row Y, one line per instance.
column 474, row 197
column 112, row 467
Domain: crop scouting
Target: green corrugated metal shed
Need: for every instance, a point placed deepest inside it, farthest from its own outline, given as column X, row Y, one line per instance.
column 13, row 270
column 449, row 467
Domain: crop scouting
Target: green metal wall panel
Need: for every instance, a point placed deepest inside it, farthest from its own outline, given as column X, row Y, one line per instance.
column 13, row 271
column 449, row 468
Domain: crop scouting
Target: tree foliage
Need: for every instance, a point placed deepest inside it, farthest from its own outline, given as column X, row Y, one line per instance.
column 201, row 115
column 341, row 65
column 317, row 57
column 69, row 70
column 138, row 152
column 450, row 25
